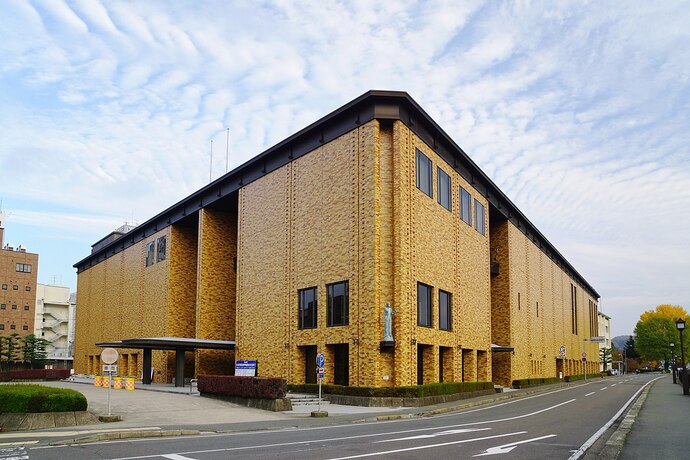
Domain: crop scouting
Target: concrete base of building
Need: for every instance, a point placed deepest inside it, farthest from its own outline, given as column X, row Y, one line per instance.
column 273, row 405
column 403, row 402
column 43, row 420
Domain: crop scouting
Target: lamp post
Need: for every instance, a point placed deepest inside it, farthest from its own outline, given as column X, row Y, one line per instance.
column 673, row 362
column 680, row 325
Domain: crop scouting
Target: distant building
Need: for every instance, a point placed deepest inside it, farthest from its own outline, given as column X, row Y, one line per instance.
column 54, row 320
column 604, row 331
column 18, row 269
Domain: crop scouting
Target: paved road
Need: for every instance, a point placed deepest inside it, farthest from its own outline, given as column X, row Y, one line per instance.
column 555, row 424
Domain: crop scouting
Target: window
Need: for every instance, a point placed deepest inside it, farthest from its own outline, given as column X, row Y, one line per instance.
column 465, row 203
column 338, row 304
column 478, row 216
column 15, row 287
column 424, row 171
column 25, row 328
column 24, row 268
column 149, row 253
column 160, row 250
column 573, row 307
column 307, row 308
column 4, row 287
column 27, row 289
column 26, row 308
column 12, row 326
column 443, row 184
column 423, row 305
column 537, row 309
column 3, row 306
column 14, row 307
column 2, row 327
column 444, row 310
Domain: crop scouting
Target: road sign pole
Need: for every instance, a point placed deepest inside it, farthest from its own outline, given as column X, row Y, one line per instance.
column 320, row 394
column 584, row 356
column 110, row 383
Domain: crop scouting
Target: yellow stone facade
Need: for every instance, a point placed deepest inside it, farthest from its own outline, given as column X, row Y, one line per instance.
column 348, row 210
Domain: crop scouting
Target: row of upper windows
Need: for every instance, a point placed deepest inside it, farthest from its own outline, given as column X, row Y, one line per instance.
column 3, row 306
column 23, row 268
column 159, row 249
column 337, row 305
column 16, row 287
column 424, row 181
column 425, row 294
column 13, row 327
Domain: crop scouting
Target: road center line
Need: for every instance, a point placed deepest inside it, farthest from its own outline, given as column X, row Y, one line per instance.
column 430, row 446
column 589, row 394
column 603, row 389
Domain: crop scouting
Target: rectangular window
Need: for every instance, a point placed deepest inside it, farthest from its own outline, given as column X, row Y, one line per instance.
column 338, row 304
column 537, row 309
column 443, row 185
column 445, row 309
column 4, row 287
column 26, row 308
column 465, row 206
column 478, row 216
column 149, row 253
column 423, row 305
column 307, row 308
column 25, row 328
column 15, row 287
column 14, row 307
column 27, row 289
column 424, row 171
column 12, row 326
column 23, row 268
column 160, row 250
column 3, row 306
column 2, row 327
column 573, row 307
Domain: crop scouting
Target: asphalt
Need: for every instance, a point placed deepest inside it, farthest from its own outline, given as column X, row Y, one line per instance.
column 654, row 426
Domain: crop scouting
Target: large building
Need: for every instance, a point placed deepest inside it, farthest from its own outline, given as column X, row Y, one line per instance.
column 18, row 287
column 369, row 236
column 53, row 321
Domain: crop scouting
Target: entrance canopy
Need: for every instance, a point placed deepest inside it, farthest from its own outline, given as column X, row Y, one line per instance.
column 179, row 344
column 497, row 348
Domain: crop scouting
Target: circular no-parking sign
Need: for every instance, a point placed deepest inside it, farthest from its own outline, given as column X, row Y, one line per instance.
column 109, row 355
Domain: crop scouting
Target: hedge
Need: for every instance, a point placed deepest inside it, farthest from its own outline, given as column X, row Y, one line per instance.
column 34, row 374
column 522, row 383
column 416, row 391
column 24, row 398
column 244, row 387
column 572, row 378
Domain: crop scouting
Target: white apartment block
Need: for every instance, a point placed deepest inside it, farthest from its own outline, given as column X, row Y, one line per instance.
column 605, row 331
column 54, row 320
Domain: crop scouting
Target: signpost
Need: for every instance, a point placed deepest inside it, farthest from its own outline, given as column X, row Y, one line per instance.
column 109, row 357
column 320, row 361
column 245, row 368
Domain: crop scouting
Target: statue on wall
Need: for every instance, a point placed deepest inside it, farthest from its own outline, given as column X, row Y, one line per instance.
column 388, row 313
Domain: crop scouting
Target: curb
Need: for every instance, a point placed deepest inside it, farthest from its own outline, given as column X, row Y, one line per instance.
column 614, row 445
column 112, row 436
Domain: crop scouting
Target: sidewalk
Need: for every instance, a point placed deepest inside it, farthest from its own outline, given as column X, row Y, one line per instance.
column 661, row 429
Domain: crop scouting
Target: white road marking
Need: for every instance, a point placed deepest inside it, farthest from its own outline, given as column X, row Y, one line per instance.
column 613, row 384
column 430, row 446
column 18, row 443
column 177, row 457
column 14, row 453
column 433, row 435
column 505, row 448
column 603, row 389
column 583, row 448
column 589, row 394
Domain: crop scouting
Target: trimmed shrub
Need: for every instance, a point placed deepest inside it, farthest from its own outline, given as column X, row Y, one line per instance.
column 416, row 391
column 523, row 383
column 244, row 387
column 24, row 398
column 573, row 378
column 34, row 374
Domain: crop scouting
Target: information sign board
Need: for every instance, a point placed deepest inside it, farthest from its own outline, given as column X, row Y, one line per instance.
column 245, row 368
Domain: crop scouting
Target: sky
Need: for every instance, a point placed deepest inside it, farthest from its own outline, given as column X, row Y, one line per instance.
column 579, row 111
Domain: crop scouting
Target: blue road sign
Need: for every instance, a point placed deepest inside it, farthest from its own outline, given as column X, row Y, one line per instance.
column 320, row 360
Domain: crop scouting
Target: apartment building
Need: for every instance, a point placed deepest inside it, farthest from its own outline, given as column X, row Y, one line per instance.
column 53, row 320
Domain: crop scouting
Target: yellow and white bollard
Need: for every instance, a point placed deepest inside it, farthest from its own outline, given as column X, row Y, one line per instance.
column 97, row 381
column 117, row 383
column 129, row 384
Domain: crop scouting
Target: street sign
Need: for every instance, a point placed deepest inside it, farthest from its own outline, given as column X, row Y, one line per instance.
column 584, row 360
column 109, row 355
column 321, row 372
column 598, row 339
column 584, row 355
column 320, row 360
column 561, row 351
column 110, row 368
column 245, row 368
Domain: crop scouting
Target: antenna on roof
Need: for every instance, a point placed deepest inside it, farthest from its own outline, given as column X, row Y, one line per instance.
column 227, row 150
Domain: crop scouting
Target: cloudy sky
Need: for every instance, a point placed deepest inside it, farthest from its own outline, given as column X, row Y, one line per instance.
column 579, row 112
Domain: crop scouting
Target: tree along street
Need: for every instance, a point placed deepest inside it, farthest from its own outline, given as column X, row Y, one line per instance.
column 555, row 424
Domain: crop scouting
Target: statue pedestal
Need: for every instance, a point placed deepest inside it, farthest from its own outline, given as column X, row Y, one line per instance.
column 387, row 345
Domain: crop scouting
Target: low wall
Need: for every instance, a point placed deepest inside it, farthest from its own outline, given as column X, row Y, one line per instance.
column 43, row 420
column 403, row 402
column 273, row 405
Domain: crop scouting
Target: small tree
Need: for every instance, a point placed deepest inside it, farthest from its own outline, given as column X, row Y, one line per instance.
column 605, row 355
column 11, row 348
column 34, row 350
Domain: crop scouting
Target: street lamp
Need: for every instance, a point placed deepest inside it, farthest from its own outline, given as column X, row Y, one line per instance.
column 673, row 362
column 680, row 325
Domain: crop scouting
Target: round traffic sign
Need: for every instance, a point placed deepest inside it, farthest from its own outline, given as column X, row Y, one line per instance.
column 320, row 360
column 109, row 355
column 584, row 355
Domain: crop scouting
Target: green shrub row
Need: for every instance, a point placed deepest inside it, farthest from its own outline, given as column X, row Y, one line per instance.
column 26, row 398
column 417, row 391
column 572, row 378
column 522, row 383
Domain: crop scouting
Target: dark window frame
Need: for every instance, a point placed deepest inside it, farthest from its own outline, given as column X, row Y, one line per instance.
column 446, row 325
column 27, row 288
column 425, row 310
column 14, row 306
column 465, row 206
column 150, row 251
column 25, row 328
column 479, row 223
column 161, row 247
column 331, row 314
column 427, row 189
column 4, row 287
column 444, row 193
column 26, row 308
column 303, row 310
column 3, row 306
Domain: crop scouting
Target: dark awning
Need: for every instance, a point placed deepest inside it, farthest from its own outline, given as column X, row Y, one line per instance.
column 170, row 343
column 497, row 348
